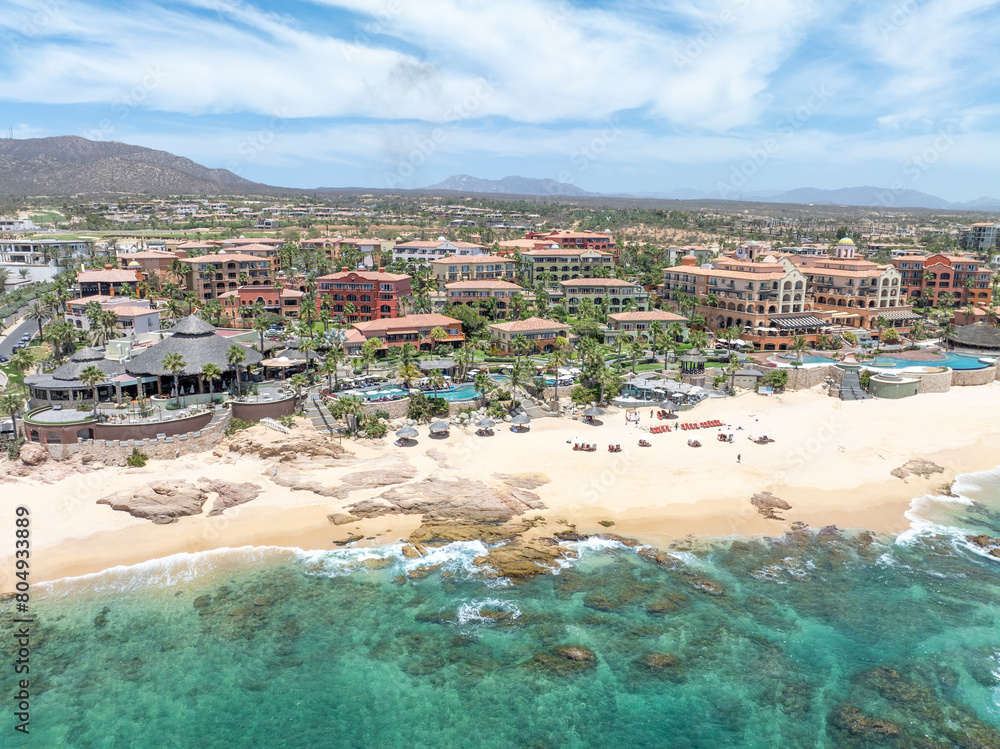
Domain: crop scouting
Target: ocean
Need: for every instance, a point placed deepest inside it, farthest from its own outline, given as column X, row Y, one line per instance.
column 817, row 638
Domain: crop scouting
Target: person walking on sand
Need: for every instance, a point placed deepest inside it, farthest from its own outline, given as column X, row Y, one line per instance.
column 738, row 457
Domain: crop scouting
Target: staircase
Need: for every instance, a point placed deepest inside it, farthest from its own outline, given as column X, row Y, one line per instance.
column 321, row 418
column 851, row 390
column 537, row 412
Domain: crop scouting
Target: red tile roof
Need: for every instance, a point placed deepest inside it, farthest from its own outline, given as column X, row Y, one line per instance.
column 486, row 283
column 107, row 276
column 409, row 322
column 532, row 323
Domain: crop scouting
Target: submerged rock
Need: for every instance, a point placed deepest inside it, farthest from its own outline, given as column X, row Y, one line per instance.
column 856, row 723
column 563, row 661
column 666, row 606
column 662, row 558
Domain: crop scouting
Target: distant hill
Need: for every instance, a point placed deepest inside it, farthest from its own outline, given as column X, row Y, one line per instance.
column 510, row 186
column 70, row 165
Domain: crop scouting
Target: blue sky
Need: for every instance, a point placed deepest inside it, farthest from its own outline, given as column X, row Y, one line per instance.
column 727, row 96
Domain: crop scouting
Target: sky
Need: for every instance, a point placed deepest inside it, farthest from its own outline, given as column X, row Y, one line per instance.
column 728, row 97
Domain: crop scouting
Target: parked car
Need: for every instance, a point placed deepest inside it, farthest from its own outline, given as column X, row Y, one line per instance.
column 4, row 360
column 26, row 337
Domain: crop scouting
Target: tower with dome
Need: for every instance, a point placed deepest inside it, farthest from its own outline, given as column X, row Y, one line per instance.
column 846, row 249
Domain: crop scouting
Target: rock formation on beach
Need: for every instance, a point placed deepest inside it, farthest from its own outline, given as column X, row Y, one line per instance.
column 230, row 494
column 918, row 467
column 767, row 505
column 164, row 502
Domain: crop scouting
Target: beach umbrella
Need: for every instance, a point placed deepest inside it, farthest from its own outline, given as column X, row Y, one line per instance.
column 594, row 411
column 407, row 433
column 439, row 426
column 485, row 423
column 521, row 419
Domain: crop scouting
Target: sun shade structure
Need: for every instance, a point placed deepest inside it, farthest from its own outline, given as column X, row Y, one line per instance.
column 195, row 340
column 439, row 426
column 407, row 433
column 521, row 419
column 594, row 411
column 485, row 423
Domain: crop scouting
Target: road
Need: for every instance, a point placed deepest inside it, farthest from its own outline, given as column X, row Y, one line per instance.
column 7, row 344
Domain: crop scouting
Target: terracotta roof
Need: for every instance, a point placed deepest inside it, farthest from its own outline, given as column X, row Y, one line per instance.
column 486, row 283
column 605, row 282
column 229, row 257
column 254, row 248
column 769, row 275
column 147, row 255
column 488, row 258
column 436, row 243
column 364, row 274
column 108, row 276
column 532, row 323
column 653, row 314
column 408, row 322
column 564, row 251
column 132, row 310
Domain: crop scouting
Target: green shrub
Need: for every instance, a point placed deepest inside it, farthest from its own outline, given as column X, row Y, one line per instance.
column 865, row 377
column 287, row 420
column 236, row 425
column 171, row 407
column 11, row 446
column 581, row 395
column 136, row 459
column 381, row 414
column 372, row 426
column 423, row 408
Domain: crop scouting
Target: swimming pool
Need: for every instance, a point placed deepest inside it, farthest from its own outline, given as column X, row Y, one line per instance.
column 461, row 392
column 955, row 361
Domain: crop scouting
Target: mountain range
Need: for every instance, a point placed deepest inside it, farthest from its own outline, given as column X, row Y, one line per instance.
column 71, row 165
column 848, row 196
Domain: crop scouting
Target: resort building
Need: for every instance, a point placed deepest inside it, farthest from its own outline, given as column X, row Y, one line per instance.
column 492, row 296
column 926, row 277
column 135, row 316
column 415, row 329
column 13, row 225
column 766, row 300
column 473, row 268
column 107, row 282
column 148, row 261
column 566, row 264
column 579, row 240
column 638, row 322
column 613, row 294
column 421, row 252
column 41, row 251
column 370, row 249
column 540, row 333
column 211, row 276
column 276, row 300
column 980, row 238
column 374, row 295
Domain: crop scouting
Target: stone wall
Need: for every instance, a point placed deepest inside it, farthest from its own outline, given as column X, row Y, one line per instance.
column 966, row 377
column 809, row 377
column 114, row 452
column 932, row 381
column 395, row 409
column 254, row 412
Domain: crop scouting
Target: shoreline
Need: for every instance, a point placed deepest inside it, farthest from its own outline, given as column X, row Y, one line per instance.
column 831, row 462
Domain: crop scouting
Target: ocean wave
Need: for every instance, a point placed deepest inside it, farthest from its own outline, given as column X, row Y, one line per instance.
column 457, row 557
column 164, row 572
column 488, row 611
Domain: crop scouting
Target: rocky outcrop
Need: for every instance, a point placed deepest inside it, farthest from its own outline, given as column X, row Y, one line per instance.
column 856, row 723
column 302, row 442
column 165, row 502
column 768, row 505
column 564, row 661
column 990, row 544
column 439, row 498
column 230, row 494
column 33, row 455
column 389, row 471
column 520, row 559
column 918, row 467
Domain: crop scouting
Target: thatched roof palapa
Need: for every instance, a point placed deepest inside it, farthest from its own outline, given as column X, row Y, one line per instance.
column 87, row 357
column 196, row 341
column 978, row 335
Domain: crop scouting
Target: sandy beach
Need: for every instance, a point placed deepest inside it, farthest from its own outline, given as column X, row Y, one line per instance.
column 831, row 461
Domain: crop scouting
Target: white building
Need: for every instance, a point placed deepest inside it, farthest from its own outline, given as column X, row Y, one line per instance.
column 422, row 252
column 136, row 316
column 14, row 225
column 41, row 251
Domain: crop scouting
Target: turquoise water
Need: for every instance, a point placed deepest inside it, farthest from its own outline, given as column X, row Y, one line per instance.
column 819, row 639
column 942, row 359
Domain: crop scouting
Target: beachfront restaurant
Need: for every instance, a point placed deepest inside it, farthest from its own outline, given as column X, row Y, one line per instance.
column 63, row 386
column 652, row 389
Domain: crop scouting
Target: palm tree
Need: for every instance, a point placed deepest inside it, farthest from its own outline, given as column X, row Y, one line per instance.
column 408, row 354
column 698, row 340
column 732, row 368
column 4, row 279
column 191, row 299
column 92, row 377
column 211, row 372
column 235, row 358
column 520, row 376
column 520, row 345
column 330, row 364
column 665, row 342
column 436, row 377
column 995, row 282
column 408, row 373
column 22, row 361
column 482, row 382
column 299, row 381
column 636, row 349
column 881, row 323
column 174, row 363
column 919, row 330
column 465, row 357
column 104, row 327
column 12, row 404
column 174, row 308
column 38, row 312
column 798, row 345
column 559, row 358
column 438, row 334
column 676, row 331
column 350, row 310
column 368, row 349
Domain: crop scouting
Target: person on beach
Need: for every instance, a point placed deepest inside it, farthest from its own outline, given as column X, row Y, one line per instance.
column 738, row 457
